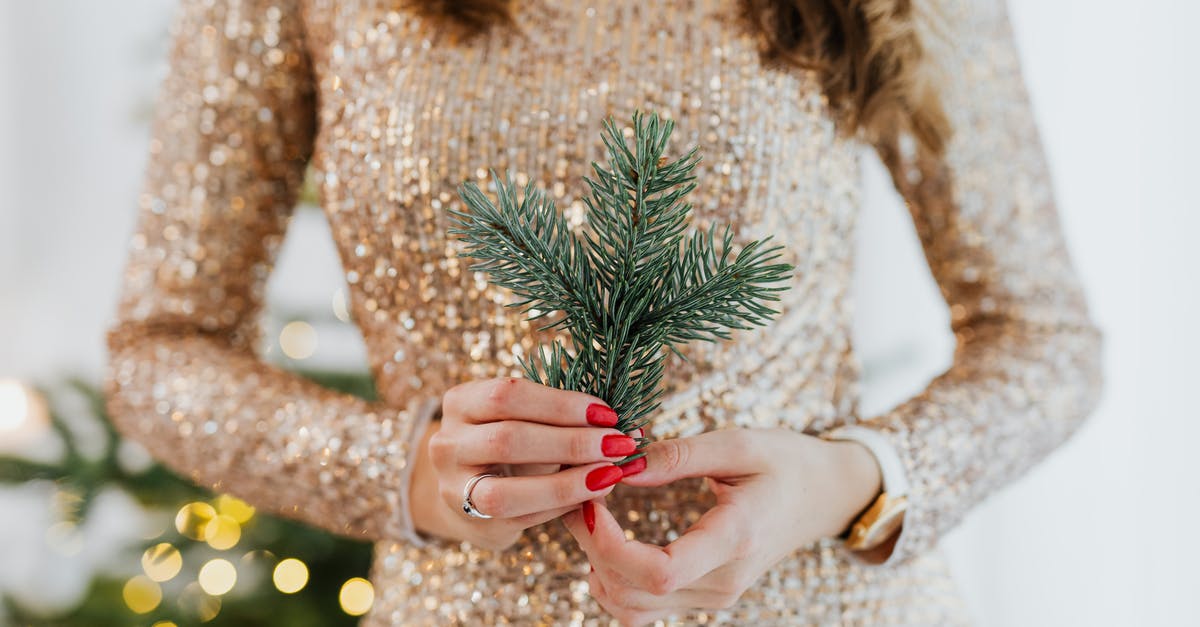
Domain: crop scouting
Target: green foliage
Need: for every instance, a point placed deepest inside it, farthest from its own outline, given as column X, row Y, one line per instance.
column 80, row 476
column 634, row 284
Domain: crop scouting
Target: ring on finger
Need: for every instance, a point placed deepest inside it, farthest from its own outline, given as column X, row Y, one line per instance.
column 468, row 507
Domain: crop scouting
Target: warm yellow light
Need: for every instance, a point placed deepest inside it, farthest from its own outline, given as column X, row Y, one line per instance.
column 141, row 594
column 193, row 518
column 222, row 532
column 298, row 339
column 291, row 575
column 356, row 596
column 23, row 414
column 194, row 600
column 164, row 623
column 217, row 576
column 235, row 508
column 161, row 562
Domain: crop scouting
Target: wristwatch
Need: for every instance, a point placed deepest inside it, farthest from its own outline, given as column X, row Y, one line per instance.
column 882, row 520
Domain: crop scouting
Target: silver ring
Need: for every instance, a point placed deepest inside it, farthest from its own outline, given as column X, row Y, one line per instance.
column 468, row 507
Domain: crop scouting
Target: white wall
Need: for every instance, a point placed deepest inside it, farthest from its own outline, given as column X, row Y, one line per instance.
column 1097, row 535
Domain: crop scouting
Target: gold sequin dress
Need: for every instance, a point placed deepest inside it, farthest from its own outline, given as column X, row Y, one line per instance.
column 393, row 115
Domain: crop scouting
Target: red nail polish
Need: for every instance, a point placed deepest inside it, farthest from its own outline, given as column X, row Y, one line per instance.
column 641, row 433
column 589, row 516
column 633, row 467
column 601, row 415
column 617, row 445
column 593, row 568
column 603, row 477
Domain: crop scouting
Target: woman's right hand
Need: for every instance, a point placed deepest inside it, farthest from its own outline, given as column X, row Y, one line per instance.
column 535, row 430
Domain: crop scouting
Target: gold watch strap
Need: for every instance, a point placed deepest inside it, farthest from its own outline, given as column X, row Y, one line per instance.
column 877, row 524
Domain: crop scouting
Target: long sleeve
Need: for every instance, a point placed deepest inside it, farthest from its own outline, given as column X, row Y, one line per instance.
column 233, row 130
column 1026, row 371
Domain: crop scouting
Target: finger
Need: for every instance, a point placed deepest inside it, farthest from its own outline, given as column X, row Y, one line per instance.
column 720, row 454
column 535, row 519
column 519, row 442
column 511, row 497
column 712, row 541
column 521, row 399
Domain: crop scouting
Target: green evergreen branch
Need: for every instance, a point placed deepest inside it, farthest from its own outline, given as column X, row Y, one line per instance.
column 629, row 286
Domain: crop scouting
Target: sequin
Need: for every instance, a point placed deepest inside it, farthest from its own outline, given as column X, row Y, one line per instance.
column 394, row 116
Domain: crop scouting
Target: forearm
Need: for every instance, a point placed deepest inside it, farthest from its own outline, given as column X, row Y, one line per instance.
column 230, row 422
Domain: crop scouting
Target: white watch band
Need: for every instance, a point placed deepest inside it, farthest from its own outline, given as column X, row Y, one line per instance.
column 894, row 477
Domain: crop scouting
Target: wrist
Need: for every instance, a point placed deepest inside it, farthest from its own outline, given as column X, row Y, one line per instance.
column 862, row 481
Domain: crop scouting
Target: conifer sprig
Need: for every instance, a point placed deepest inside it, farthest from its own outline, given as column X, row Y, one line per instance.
column 632, row 284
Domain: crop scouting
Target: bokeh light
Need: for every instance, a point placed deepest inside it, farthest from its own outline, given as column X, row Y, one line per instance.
column 195, row 601
column 298, row 339
column 193, row 518
column 141, row 594
column 235, row 508
column 164, row 623
column 217, row 576
column 23, row 414
column 357, row 596
column 290, row 575
column 162, row 562
column 222, row 532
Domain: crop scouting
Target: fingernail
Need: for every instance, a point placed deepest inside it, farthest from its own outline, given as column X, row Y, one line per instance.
column 617, row 445
column 601, row 415
column 603, row 477
column 589, row 516
column 633, row 467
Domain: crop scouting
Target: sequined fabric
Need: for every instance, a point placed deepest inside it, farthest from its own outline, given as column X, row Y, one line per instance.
column 394, row 115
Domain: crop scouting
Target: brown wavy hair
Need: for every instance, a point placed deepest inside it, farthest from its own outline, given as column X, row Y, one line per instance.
column 867, row 54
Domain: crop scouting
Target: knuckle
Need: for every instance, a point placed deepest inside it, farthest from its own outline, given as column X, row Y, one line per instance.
column 675, row 454
column 660, row 581
column 563, row 491
column 583, row 447
column 501, row 392
column 501, row 440
column 441, row 448
column 452, row 401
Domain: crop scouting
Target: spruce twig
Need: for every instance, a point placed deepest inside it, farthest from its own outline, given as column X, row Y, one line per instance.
column 634, row 284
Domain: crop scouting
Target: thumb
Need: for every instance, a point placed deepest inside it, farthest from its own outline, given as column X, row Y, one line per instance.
column 722, row 454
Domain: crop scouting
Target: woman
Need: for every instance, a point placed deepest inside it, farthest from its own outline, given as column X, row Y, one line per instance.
column 396, row 104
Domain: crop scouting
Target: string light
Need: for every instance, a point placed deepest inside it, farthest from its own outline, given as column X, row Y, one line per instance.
column 290, row 576
column 235, row 508
column 217, row 576
column 222, row 532
column 141, row 594
column 298, row 339
column 357, row 596
column 162, row 562
column 193, row 518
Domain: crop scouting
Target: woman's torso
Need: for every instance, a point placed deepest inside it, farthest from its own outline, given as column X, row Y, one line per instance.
column 405, row 115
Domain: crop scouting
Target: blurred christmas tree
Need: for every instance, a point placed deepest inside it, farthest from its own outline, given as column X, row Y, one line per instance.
column 219, row 563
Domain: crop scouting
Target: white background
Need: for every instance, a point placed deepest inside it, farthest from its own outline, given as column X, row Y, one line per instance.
column 1101, row 534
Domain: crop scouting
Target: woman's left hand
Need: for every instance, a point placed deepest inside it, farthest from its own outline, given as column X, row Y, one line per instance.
column 777, row 490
